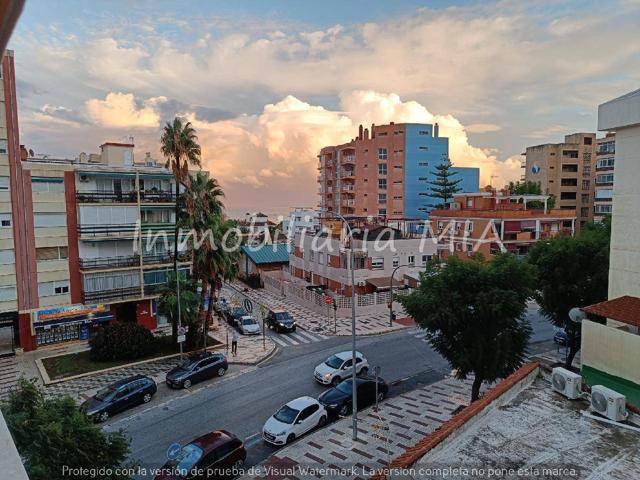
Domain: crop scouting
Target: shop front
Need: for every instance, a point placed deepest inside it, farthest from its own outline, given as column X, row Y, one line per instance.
column 68, row 323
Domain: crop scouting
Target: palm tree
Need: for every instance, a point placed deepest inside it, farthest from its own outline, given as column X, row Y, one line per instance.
column 179, row 145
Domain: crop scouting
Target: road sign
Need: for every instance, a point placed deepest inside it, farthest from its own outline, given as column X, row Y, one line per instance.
column 248, row 305
column 181, row 338
column 181, row 330
column 327, row 300
column 173, row 451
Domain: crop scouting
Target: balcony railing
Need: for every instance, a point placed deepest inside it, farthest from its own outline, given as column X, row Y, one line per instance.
column 109, row 262
column 111, row 295
column 157, row 197
column 95, row 196
column 153, row 289
column 349, row 159
column 348, row 173
column 164, row 258
column 125, row 230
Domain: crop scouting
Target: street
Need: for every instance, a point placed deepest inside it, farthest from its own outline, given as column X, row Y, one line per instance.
column 242, row 404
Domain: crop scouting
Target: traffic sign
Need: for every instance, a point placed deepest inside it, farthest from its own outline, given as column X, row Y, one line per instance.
column 181, row 338
column 181, row 330
column 248, row 305
column 327, row 300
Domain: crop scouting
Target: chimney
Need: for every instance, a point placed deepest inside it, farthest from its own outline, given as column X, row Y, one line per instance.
column 391, row 123
column 366, row 134
column 373, row 133
column 360, row 132
column 24, row 154
column 436, row 130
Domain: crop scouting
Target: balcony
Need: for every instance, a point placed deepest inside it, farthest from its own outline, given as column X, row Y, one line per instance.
column 114, row 295
column 157, row 227
column 105, row 263
column 348, row 203
column 95, row 196
column 154, row 289
column 157, row 197
column 115, row 231
column 164, row 258
column 347, row 174
column 348, row 159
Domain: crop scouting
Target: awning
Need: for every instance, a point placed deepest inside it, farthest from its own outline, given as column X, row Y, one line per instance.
column 382, row 283
column 624, row 309
column 83, row 319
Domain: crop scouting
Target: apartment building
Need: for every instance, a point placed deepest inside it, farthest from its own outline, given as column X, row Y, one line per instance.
column 491, row 222
column 385, row 172
column 322, row 259
column 566, row 171
column 605, row 166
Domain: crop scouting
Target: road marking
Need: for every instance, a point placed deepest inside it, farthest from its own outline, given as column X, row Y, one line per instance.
column 251, row 440
column 278, row 341
column 308, row 335
column 290, row 340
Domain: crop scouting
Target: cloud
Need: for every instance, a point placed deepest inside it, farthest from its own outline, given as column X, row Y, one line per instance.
column 483, row 128
column 549, row 132
column 121, row 110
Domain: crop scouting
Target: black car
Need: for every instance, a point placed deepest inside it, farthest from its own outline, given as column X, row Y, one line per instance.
column 196, row 368
column 338, row 400
column 281, row 321
column 234, row 314
column 119, row 396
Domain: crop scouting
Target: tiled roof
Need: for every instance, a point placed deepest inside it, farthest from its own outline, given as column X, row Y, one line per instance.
column 261, row 254
column 624, row 309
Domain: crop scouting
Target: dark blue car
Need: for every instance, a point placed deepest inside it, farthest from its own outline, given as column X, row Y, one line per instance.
column 197, row 368
column 119, row 396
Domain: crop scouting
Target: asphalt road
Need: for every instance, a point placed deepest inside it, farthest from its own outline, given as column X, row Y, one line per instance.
column 242, row 404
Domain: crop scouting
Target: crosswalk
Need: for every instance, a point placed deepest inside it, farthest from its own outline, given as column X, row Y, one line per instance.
column 298, row 337
column 418, row 333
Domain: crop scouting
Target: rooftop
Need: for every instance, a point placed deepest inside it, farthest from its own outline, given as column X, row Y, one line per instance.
column 263, row 254
column 624, row 309
column 541, row 429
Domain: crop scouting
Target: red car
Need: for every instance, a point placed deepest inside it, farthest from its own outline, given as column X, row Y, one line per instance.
column 217, row 454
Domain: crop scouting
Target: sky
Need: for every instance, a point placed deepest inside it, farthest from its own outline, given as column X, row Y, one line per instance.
column 267, row 83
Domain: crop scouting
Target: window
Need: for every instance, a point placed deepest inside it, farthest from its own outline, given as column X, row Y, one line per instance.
column 571, row 167
column 569, row 182
column 396, row 262
column 5, row 219
column 426, row 259
column 382, row 198
column 4, row 147
column 585, row 198
column 588, row 140
column 586, row 184
column 382, row 134
column 59, row 287
column 604, row 194
column 382, row 169
column 586, row 171
column 320, row 258
column 469, row 226
column 382, row 211
column 602, row 209
column 382, row 154
column 570, row 153
column 567, row 195
column 606, row 162
column 397, row 197
column 49, row 220
column 605, row 178
column 382, row 183
column 47, row 185
column 4, row 184
column 377, row 263
column 51, row 253
column 411, row 260
column 584, row 212
column 7, row 257
column 8, row 294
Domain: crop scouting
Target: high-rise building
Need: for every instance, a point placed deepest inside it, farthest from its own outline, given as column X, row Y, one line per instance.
column 386, row 172
column 605, row 165
column 566, row 171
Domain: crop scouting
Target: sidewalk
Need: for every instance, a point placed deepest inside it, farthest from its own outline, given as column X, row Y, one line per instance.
column 400, row 422
column 309, row 320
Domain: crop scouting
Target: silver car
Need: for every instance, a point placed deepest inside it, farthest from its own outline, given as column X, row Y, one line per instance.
column 248, row 325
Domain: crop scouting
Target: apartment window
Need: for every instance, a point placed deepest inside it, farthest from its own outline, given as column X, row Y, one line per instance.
column 426, row 259
column 585, row 197
column 567, row 195
column 411, row 260
column 42, row 220
column 382, row 183
column 571, row 167
column 606, row 162
column 570, row 153
column 588, row 140
column 4, row 184
column 52, row 253
column 5, row 220
column 328, row 259
column 4, row 147
column 586, row 184
column 47, row 289
column 396, row 262
column 584, row 212
column 586, row 171
column 377, row 263
column 382, row 134
column 469, row 226
column 382, row 169
column 569, row 182
column 606, row 178
column 47, row 185
column 382, row 198
column 8, row 294
column 605, row 209
column 586, row 157
column 7, row 257
column 397, row 197
column 604, row 194
column 382, row 154
column 382, row 211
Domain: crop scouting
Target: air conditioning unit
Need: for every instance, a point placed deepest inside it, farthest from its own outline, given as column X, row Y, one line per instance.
column 362, row 283
column 566, row 382
column 609, row 403
column 84, row 178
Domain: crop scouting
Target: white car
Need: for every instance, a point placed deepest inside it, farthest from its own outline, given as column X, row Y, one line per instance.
column 248, row 326
column 338, row 367
column 294, row 420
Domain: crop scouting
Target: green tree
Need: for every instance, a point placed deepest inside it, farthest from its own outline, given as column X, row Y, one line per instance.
column 473, row 311
column 531, row 188
column 445, row 186
column 51, row 433
column 572, row 272
column 179, row 145
column 189, row 301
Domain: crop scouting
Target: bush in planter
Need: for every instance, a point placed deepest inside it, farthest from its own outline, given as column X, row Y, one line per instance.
column 122, row 341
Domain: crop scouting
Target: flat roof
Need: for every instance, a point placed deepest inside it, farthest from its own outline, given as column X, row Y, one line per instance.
column 539, row 429
column 620, row 112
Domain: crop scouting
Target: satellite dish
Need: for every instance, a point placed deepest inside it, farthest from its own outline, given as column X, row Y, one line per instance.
column 576, row 315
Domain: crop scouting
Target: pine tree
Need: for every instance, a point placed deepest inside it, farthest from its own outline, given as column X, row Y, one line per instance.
column 444, row 187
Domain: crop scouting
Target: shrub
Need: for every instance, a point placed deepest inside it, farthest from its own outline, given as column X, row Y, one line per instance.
column 122, row 341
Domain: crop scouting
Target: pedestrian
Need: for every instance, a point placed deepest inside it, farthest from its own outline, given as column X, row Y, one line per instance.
column 234, row 343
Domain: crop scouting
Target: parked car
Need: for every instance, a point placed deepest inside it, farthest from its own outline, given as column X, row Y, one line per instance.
column 560, row 337
column 338, row 400
column 248, row 326
column 221, row 306
column 119, row 396
column 339, row 366
column 293, row 420
column 217, row 454
column 234, row 314
column 281, row 321
column 196, row 368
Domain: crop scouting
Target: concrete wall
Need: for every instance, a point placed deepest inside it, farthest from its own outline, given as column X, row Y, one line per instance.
column 10, row 462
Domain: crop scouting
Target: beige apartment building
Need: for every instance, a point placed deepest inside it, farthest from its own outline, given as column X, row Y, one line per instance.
column 566, row 171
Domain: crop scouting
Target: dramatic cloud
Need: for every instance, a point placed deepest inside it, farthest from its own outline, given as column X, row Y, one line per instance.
column 121, row 110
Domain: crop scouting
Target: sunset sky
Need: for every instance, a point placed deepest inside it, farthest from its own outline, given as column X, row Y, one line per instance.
column 269, row 82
